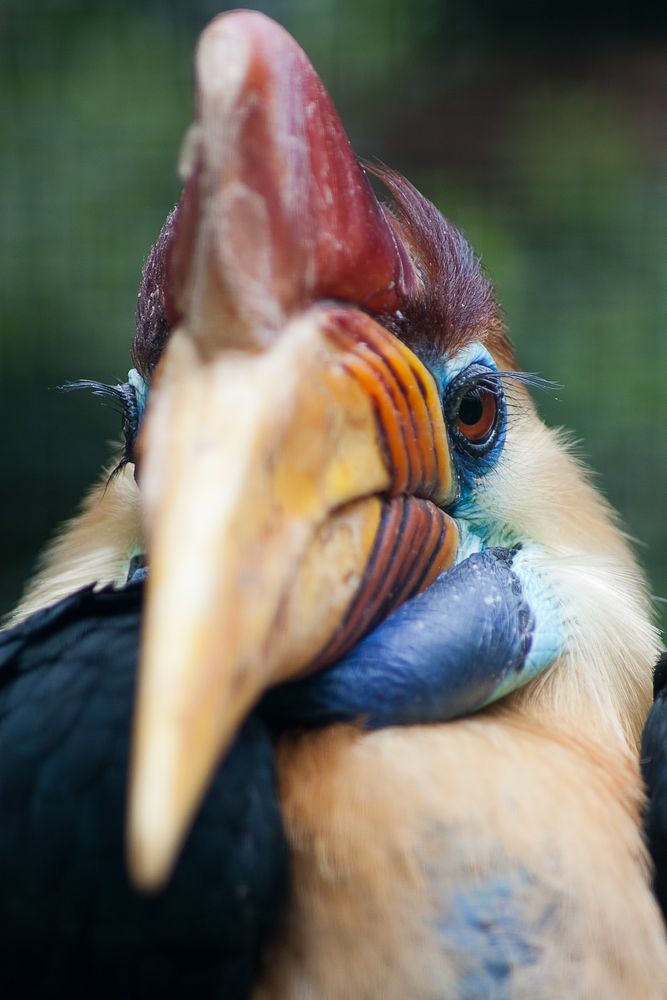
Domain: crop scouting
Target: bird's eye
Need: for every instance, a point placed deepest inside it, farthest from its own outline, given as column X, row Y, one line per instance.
column 474, row 407
column 477, row 413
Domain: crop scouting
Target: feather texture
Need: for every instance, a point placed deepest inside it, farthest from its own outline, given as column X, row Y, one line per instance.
column 392, row 831
column 94, row 547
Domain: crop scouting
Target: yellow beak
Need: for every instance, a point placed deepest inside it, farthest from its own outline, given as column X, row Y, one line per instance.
column 273, row 539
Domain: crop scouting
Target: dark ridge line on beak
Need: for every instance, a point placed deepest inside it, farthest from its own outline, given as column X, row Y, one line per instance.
column 407, row 537
column 389, row 516
column 413, row 473
column 341, row 341
column 424, row 394
column 419, row 482
column 335, row 647
column 393, row 391
column 423, row 391
column 392, row 386
column 379, row 424
column 442, row 529
column 409, row 526
column 415, row 510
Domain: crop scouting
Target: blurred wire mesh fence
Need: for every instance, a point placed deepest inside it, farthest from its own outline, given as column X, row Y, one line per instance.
column 541, row 131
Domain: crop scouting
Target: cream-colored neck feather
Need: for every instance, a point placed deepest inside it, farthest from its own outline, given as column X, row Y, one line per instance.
column 94, row 547
column 542, row 492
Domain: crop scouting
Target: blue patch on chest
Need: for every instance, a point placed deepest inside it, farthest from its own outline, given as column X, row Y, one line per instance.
column 497, row 928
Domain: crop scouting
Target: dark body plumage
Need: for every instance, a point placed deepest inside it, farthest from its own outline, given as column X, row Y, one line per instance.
column 70, row 924
column 654, row 769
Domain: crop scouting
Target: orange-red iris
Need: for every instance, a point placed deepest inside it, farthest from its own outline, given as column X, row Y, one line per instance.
column 477, row 414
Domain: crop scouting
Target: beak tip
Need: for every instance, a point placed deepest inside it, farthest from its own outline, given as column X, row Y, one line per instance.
column 155, row 828
column 145, row 875
column 151, row 851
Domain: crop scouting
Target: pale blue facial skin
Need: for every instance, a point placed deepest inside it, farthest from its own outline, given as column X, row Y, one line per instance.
column 446, row 369
column 140, row 390
column 475, row 533
column 470, row 470
column 478, row 534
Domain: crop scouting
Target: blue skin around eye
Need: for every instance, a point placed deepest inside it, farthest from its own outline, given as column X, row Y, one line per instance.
column 447, row 369
column 469, row 639
column 140, row 387
column 469, row 468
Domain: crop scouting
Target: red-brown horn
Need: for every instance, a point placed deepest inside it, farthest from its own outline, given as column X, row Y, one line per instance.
column 276, row 211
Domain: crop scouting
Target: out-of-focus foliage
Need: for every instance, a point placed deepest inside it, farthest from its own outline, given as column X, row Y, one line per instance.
column 540, row 131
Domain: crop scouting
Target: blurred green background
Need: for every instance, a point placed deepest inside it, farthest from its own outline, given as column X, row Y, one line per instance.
column 539, row 129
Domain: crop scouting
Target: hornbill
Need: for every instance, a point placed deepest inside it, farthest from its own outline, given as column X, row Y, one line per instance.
column 358, row 530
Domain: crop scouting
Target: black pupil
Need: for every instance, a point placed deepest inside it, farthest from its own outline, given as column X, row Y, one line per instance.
column 471, row 408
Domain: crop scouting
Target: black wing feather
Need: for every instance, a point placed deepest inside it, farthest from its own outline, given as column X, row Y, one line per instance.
column 70, row 923
column 654, row 769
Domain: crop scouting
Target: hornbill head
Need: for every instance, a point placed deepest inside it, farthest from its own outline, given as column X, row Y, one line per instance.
column 334, row 418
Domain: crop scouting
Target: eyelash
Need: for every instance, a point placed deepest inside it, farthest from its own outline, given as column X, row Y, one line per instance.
column 122, row 398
